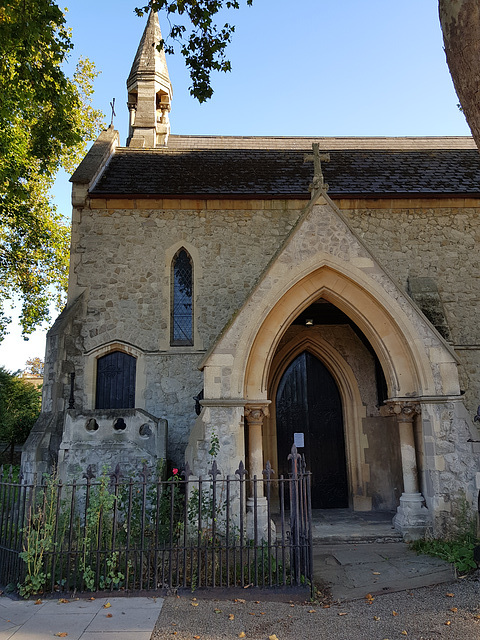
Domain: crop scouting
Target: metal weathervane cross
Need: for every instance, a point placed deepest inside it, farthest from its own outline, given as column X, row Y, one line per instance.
column 317, row 157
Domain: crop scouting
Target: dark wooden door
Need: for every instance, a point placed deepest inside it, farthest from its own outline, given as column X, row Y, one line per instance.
column 116, row 381
column 308, row 402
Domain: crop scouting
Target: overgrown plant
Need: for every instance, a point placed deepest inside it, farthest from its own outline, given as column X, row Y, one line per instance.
column 39, row 537
column 98, row 534
column 457, row 549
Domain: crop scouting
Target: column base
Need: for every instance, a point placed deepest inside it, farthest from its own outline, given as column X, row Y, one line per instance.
column 263, row 523
column 412, row 518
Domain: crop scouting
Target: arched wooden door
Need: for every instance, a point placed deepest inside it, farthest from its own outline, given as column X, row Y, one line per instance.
column 308, row 402
column 116, row 381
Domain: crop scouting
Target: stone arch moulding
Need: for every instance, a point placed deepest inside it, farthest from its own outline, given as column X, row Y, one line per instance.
column 402, row 339
column 91, row 371
column 352, row 406
column 197, row 271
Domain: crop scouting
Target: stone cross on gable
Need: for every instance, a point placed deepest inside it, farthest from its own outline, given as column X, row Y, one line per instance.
column 317, row 157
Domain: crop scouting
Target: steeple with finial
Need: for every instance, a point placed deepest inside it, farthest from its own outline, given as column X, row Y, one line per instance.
column 149, row 91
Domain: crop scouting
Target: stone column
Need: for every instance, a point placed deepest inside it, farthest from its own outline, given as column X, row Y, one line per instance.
column 412, row 517
column 254, row 415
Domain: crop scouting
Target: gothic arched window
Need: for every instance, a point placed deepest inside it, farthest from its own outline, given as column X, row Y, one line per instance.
column 182, row 300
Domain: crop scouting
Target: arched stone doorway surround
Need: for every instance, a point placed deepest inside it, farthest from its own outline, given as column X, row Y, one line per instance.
column 324, row 258
column 353, row 410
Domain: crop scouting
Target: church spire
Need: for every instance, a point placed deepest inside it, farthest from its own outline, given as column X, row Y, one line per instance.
column 149, row 91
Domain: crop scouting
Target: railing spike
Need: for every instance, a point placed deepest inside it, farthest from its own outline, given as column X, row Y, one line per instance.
column 214, row 471
column 186, row 473
column 89, row 473
column 268, row 471
column 145, row 472
column 241, row 471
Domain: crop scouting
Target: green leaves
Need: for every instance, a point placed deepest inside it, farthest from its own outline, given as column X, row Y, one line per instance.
column 19, row 407
column 204, row 47
column 45, row 120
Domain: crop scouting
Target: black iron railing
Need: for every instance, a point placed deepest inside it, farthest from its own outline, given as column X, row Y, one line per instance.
column 149, row 534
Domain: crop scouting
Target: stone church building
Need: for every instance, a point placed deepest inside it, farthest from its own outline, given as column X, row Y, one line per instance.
column 269, row 290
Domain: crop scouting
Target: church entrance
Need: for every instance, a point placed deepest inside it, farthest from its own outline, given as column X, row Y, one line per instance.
column 308, row 403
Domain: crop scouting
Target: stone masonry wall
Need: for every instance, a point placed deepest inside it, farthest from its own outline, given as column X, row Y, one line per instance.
column 122, row 263
column 442, row 244
column 122, row 259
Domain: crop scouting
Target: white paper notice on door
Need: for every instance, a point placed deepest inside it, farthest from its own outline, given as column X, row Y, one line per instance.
column 298, row 440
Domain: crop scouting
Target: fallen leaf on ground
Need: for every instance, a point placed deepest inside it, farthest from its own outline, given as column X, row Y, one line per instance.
column 109, row 615
column 257, row 601
column 454, row 609
column 449, row 595
column 62, row 634
column 92, row 598
column 194, row 604
column 231, row 617
column 311, row 611
column 217, row 611
column 376, row 618
column 404, row 633
column 394, row 613
column 326, row 606
column 262, row 613
column 376, row 573
column 250, row 613
column 272, row 637
column 194, row 599
column 477, row 617
column 240, row 600
column 107, row 605
column 343, row 613
column 64, row 601
column 447, row 623
column 196, row 637
column 38, row 601
column 241, row 634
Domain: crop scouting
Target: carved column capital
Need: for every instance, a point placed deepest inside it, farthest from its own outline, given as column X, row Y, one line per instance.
column 255, row 413
column 404, row 410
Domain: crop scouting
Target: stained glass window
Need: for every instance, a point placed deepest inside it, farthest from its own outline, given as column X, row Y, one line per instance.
column 182, row 300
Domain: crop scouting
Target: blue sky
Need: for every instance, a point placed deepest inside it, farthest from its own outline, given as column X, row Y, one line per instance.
column 309, row 67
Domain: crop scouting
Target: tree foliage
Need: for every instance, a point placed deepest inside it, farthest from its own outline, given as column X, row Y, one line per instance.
column 20, row 404
column 35, row 366
column 45, row 120
column 203, row 44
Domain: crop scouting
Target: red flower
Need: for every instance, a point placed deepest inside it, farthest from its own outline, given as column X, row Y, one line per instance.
column 174, row 471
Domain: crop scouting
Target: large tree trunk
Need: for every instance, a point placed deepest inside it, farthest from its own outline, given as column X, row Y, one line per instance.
column 460, row 20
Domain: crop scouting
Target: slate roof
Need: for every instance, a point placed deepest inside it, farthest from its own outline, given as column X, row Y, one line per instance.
column 225, row 171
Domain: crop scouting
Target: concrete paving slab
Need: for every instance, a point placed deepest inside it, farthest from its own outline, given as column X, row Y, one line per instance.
column 116, row 635
column 128, row 619
column 6, row 635
column 82, row 619
column 351, row 571
column 45, row 626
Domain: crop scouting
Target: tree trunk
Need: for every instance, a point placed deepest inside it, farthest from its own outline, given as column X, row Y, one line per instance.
column 460, row 21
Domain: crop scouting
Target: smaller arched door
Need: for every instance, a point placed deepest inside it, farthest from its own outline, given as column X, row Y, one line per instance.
column 116, row 381
column 308, row 402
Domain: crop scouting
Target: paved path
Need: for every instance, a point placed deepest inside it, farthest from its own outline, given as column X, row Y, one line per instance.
column 352, row 570
column 83, row 619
